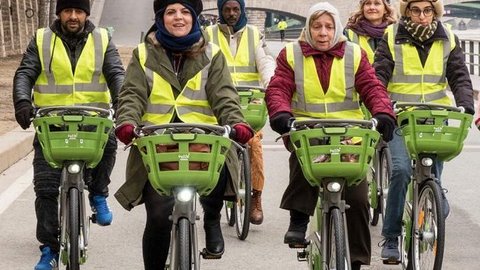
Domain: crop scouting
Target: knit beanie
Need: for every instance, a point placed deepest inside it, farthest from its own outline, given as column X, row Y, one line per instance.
column 437, row 5
column 80, row 4
column 196, row 5
column 242, row 21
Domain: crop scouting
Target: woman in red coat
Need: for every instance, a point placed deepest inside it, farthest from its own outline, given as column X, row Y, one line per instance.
column 333, row 71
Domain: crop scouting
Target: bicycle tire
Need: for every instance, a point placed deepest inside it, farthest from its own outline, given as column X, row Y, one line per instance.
column 383, row 181
column 230, row 212
column 184, row 251
column 428, row 248
column 244, row 197
column 74, row 229
column 337, row 248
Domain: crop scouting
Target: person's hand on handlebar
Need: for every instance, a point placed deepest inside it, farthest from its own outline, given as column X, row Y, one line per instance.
column 279, row 122
column 386, row 125
column 125, row 133
column 24, row 113
column 243, row 133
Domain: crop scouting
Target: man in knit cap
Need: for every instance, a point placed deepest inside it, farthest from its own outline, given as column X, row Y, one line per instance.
column 82, row 68
column 250, row 64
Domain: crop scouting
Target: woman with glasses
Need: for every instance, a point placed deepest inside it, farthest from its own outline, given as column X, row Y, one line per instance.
column 367, row 25
column 417, row 59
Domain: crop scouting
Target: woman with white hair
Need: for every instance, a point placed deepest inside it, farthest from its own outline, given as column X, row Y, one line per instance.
column 333, row 75
column 417, row 59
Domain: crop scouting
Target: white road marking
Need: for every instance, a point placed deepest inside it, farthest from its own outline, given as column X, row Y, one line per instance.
column 15, row 190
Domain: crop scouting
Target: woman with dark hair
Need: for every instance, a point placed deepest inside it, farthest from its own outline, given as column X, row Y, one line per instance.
column 367, row 25
column 176, row 75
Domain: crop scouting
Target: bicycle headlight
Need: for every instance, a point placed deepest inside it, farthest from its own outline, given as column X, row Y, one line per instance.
column 334, row 187
column 427, row 162
column 73, row 168
column 185, row 194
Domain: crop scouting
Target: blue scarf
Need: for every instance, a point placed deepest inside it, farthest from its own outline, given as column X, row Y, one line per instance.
column 242, row 21
column 177, row 44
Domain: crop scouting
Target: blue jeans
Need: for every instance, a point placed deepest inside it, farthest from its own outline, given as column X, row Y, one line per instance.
column 399, row 180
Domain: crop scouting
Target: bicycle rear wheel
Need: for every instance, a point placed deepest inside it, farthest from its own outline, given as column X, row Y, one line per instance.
column 74, row 229
column 244, row 197
column 430, row 225
column 337, row 248
column 184, row 246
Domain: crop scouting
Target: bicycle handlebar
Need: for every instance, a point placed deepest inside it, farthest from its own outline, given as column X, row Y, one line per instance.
column 72, row 110
column 318, row 123
column 402, row 106
column 248, row 87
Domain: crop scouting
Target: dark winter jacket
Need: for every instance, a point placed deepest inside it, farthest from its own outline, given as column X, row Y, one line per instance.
column 282, row 85
column 31, row 67
column 457, row 73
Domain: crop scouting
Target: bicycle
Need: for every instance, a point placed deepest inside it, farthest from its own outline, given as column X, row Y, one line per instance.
column 430, row 131
column 73, row 138
column 379, row 182
column 175, row 169
column 322, row 147
column 254, row 110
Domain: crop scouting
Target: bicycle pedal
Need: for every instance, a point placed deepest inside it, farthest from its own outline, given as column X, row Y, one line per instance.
column 391, row 262
column 209, row 256
column 302, row 256
column 299, row 245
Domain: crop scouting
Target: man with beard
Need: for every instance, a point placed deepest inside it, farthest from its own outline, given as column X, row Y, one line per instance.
column 250, row 64
column 67, row 64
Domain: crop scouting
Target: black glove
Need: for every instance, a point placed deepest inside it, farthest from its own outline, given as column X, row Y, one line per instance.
column 386, row 126
column 470, row 110
column 24, row 113
column 279, row 122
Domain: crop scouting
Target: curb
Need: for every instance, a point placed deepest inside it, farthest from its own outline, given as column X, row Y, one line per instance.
column 15, row 145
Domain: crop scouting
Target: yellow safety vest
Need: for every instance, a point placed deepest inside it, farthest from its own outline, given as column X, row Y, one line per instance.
column 282, row 25
column 412, row 82
column 341, row 100
column 57, row 85
column 363, row 42
column 191, row 105
column 243, row 67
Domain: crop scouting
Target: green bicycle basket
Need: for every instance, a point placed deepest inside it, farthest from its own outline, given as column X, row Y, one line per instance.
column 427, row 131
column 198, row 169
column 308, row 150
column 253, row 107
column 72, row 137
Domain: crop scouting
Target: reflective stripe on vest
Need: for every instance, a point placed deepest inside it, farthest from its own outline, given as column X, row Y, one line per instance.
column 58, row 85
column 242, row 67
column 191, row 105
column 341, row 99
column 412, row 82
column 363, row 42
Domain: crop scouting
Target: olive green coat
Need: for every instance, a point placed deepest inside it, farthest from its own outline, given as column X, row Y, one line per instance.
column 221, row 94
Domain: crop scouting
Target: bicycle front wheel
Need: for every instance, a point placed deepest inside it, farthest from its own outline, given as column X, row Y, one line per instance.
column 383, row 181
column 244, row 197
column 73, row 229
column 184, row 251
column 337, row 248
column 430, row 225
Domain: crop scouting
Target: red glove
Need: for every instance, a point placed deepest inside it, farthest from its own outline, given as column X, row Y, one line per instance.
column 477, row 123
column 125, row 133
column 243, row 133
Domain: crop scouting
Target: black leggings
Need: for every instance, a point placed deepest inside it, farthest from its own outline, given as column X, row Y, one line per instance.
column 156, row 237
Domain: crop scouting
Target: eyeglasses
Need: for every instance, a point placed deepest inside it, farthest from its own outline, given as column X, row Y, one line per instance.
column 416, row 12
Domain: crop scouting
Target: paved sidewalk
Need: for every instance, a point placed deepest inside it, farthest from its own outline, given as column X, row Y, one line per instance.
column 15, row 146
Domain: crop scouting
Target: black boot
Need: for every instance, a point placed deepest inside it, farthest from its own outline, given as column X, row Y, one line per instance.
column 295, row 236
column 211, row 223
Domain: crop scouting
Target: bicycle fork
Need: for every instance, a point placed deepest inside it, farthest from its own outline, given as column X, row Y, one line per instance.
column 72, row 178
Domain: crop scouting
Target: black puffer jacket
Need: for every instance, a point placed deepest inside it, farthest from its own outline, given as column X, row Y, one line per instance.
column 30, row 66
column 456, row 73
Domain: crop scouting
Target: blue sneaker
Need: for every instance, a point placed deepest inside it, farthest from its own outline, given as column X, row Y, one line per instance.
column 48, row 260
column 390, row 249
column 101, row 210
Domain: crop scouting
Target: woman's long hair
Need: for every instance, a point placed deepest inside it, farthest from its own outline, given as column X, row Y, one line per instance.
column 390, row 16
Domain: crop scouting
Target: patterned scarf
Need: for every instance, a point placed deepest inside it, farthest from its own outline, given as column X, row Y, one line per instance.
column 418, row 31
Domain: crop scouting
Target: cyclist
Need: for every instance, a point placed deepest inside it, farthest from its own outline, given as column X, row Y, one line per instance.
column 282, row 26
column 251, row 64
column 367, row 25
column 416, row 59
column 176, row 75
column 82, row 67
column 327, row 82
